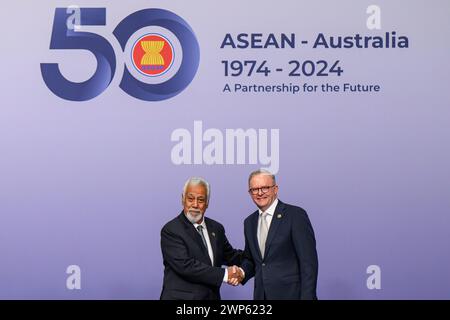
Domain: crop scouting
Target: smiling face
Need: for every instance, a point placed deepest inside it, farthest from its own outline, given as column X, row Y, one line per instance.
column 195, row 202
column 257, row 187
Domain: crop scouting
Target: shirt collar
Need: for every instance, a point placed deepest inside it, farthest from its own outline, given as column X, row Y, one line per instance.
column 203, row 224
column 271, row 210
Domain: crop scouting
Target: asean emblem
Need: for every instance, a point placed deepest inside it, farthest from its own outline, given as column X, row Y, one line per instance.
column 152, row 55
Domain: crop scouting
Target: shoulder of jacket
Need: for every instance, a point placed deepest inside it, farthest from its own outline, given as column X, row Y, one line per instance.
column 172, row 224
column 292, row 209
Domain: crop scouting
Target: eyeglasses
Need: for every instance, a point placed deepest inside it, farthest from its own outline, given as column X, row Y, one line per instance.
column 255, row 191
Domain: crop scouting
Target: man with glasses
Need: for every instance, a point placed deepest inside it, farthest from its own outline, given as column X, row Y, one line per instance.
column 194, row 248
column 280, row 247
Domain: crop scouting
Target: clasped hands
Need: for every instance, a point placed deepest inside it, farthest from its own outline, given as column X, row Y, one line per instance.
column 235, row 275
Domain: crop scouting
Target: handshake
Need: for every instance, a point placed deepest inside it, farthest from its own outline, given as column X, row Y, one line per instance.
column 235, row 275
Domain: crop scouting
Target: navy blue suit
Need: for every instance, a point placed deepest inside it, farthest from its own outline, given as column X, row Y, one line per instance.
column 289, row 268
column 188, row 273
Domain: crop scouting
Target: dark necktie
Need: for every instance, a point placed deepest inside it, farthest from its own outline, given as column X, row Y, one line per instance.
column 200, row 230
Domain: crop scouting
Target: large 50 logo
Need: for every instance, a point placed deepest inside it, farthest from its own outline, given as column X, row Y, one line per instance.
column 152, row 54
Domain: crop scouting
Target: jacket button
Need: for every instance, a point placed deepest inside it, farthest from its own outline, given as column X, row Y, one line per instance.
column 263, row 264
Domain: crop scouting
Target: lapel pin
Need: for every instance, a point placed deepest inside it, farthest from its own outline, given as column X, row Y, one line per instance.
column 279, row 216
column 213, row 234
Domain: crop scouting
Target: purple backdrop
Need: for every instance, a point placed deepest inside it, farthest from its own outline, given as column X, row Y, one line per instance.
column 92, row 183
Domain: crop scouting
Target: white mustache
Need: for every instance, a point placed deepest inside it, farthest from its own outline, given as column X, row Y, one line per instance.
column 194, row 215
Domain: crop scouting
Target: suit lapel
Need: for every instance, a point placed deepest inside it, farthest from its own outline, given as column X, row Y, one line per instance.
column 276, row 221
column 193, row 233
column 254, row 232
column 212, row 233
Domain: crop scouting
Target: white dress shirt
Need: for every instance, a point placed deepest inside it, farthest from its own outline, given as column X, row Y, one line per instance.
column 208, row 241
column 270, row 212
column 208, row 244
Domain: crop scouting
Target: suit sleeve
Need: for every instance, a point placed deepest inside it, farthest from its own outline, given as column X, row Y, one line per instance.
column 248, row 265
column 231, row 256
column 305, row 247
column 175, row 253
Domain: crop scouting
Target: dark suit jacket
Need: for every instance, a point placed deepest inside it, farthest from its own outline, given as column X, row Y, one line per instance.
column 188, row 273
column 289, row 268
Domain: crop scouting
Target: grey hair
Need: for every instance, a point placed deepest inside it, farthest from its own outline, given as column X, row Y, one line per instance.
column 196, row 181
column 263, row 172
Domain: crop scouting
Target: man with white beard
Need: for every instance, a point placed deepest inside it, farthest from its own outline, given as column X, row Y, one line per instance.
column 194, row 248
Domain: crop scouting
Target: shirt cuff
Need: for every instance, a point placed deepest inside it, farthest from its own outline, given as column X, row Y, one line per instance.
column 225, row 276
column 243, row 272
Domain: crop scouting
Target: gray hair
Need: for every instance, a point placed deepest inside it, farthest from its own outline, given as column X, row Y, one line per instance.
column 263, row 172
column 196, row 181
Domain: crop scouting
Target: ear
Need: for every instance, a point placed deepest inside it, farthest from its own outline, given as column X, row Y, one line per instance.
column 182, row 200
column 275, row 190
